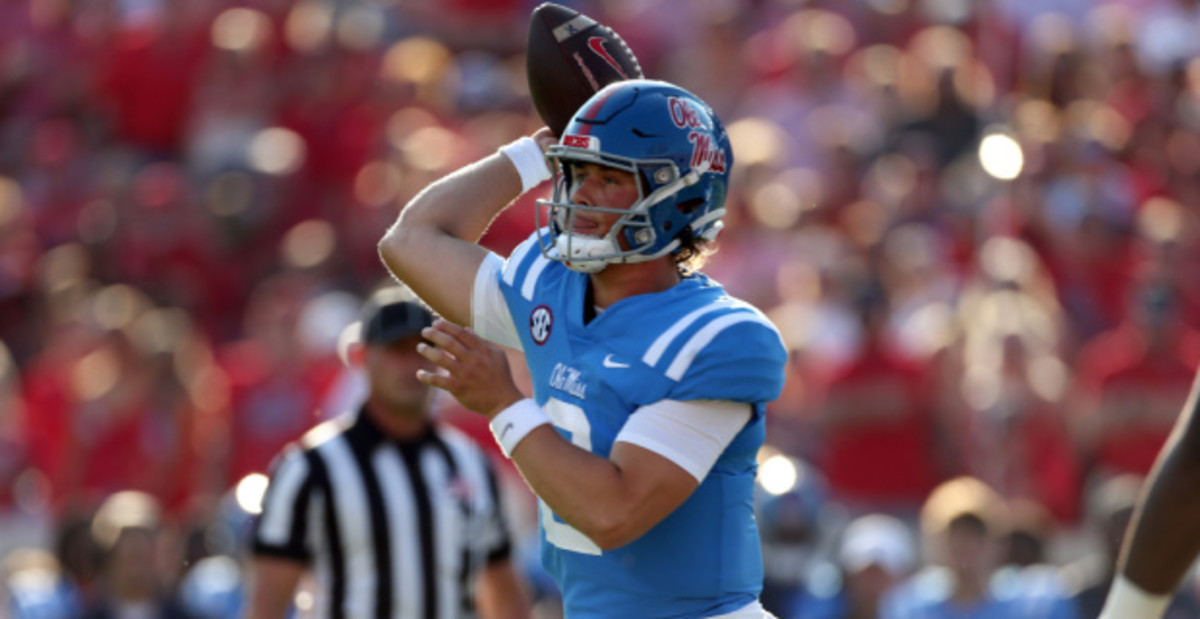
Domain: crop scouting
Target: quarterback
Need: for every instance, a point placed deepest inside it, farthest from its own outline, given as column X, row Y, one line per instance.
column 650, row 382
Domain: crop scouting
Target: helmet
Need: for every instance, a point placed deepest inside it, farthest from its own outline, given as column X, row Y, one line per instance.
column 673, row 144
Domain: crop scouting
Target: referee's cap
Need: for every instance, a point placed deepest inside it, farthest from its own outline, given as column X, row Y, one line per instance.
column 392, row 314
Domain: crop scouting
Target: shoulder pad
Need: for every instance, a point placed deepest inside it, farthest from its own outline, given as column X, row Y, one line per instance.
column 724, row 351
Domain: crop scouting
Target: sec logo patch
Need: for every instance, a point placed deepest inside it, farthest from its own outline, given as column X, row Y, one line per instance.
column 540, row 322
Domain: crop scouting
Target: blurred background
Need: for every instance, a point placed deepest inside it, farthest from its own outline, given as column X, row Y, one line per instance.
column 975, row 223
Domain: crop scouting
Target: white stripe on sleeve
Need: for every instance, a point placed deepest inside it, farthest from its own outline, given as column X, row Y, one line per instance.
column 532, row 275
column 700, row 339
column 489, row 311
column 514, row 261
column 656, row 350
column 692, row 434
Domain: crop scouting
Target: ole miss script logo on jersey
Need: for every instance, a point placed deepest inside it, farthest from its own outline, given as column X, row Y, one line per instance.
column 540, row 322
column 686, row 115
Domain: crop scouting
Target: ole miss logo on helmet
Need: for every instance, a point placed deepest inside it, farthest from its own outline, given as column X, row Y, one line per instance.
column 686, row 115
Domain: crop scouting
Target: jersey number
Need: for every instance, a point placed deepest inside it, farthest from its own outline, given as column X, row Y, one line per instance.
column 572, row 419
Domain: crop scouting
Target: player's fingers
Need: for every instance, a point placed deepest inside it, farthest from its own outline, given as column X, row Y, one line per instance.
column 436, row 379
column 545, row 138
column 437, row 355
column 448, row 336
column 468, row 338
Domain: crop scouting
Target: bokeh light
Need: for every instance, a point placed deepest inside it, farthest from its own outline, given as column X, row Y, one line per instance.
column 406, row 121
column 95, row 374
column 941, row 47
column 276, row 151
column 117, row 306
column 63, row 265
column 429, row 149
column 240, row 30
column 378, row 183
column 819, row 30
column 12, row 200
column 1001, row 156
column 250, row 491
column 308, row 26
column 308, row 244
column 1161, row 219
column 755, row 141
column 417, row 60
column 360, row 28
column 778, row 474
column 781, row 202
column 891, row 179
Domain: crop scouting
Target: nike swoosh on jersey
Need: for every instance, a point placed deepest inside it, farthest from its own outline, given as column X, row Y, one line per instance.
column 609, row 362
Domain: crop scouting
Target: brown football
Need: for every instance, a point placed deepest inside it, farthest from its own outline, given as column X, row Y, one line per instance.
column 570, row 56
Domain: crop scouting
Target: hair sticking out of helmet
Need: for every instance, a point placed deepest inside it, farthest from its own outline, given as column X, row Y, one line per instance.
column 678, row 151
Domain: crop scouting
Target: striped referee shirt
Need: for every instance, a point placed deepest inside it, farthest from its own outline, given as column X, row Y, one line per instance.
column 391, row 528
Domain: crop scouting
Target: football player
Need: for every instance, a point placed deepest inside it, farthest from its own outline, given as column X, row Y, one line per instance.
column 1164, row 536
column 649, row 381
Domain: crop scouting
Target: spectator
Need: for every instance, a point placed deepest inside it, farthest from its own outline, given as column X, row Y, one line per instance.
column 962, row 524
column 880, row 418
column 275, row 386
column 33, row 586
column 137, row 569
column 876, row 554
column 1132, row 382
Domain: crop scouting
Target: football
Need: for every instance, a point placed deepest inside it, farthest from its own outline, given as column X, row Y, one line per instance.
column 570, row 56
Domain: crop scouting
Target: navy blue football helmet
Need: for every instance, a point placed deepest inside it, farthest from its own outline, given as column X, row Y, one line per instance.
column 674, row 145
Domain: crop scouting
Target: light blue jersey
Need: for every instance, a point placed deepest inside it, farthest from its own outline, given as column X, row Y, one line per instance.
column 691, row 342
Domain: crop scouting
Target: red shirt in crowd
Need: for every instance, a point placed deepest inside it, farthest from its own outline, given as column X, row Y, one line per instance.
column 151, row 81
column 1132, row 395
column 880, row 420
column 134, row 436
column 269, row 406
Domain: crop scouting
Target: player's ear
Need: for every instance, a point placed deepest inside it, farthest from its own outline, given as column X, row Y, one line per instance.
column 350, row 346
column 356, row 355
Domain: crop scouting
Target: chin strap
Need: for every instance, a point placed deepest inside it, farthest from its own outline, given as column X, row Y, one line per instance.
column 579, row 252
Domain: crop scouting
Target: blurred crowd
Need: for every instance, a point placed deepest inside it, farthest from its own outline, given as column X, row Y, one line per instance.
column 976, row 224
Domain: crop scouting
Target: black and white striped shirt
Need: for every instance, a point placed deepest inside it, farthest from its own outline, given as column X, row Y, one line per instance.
column 391, row 528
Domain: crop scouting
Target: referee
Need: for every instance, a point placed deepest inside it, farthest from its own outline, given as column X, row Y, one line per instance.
column 396, row 516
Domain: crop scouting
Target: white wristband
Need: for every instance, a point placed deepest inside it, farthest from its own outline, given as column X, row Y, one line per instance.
column 1126, row 600
column 514, row 423
column 527, row 156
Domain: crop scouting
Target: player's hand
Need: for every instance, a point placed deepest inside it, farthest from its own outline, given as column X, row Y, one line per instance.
column 472, row 369
column 545, row 138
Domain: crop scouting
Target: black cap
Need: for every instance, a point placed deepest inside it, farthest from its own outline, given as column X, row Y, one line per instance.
column 393, row 314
